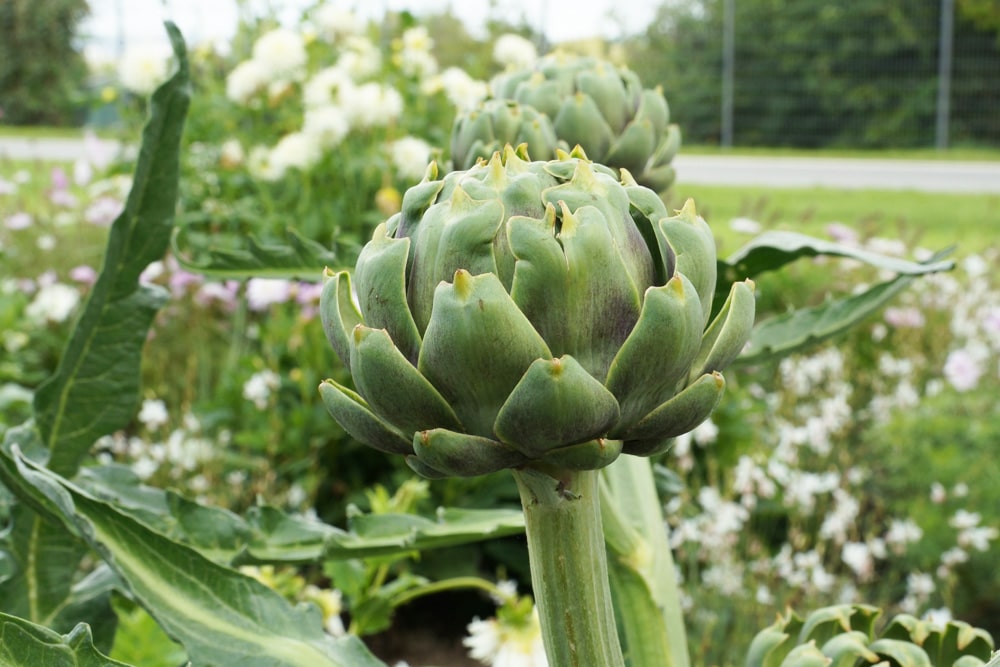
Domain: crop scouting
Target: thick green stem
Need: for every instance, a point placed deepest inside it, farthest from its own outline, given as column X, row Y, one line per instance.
column 646, row 595
column 569, row 572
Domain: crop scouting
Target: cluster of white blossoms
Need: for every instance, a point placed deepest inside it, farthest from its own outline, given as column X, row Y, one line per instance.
column 513, row 51
column 830, row 545
column 143, row 67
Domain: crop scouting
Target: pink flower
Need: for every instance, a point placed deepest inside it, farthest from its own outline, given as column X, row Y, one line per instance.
column 83, row 274
column 180, row 280
column 59, row 179
column 103, row 211
column 214, row 292
column 962, row 370
column 842, row 233
column 19, row 220
column 904, row 317
column 63, row 198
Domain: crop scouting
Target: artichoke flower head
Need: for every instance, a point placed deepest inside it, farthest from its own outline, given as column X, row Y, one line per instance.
column 602, row 107
column 530, row 313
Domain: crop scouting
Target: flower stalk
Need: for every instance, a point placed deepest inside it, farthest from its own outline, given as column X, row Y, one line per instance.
column 569, row 572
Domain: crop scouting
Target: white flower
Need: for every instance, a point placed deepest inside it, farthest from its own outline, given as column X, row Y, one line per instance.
column 495, row 643
column 337, row 22
column 858, row 557
column 323, row 88
column 143, row 68
column 294, row 151
column 245, row 81
column 964, row 520
column 231, row 153
column 461, row 89
column 259, row 387
column 153, row 414
column 512, row 50
column 919, row 585
column 361, row 60
column 259, row 164
column 417, row 38
column 938, row 617
column 281, row 54
column 744, row 225
column 53, row 303
column 262, row 293
column 420, row 64
column 326, row 125
column 372, row 105
column 410, row 156
column 705, row 433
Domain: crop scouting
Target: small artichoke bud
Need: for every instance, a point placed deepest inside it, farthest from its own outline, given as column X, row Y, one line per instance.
column 482, row 131
column 522, row 313
column 603, row 108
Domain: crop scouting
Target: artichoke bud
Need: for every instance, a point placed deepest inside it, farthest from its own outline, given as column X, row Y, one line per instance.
column 526, row 313
column 479, row 133
column 602, row 107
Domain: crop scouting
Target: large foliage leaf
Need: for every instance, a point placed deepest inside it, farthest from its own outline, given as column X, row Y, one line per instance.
column 784, row 334
column 94, row 391
column 269, row 535
column 249, row 257
column 774, row 249
column 40, row 579
column 25, row 644
column 220, row 616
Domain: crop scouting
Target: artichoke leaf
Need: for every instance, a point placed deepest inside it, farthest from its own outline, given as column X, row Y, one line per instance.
column 454, row 234
column 476, row 348
column 847, row 648
column 354, row 416
column 631, row 150
column 805, row 655
column 653, row 108
column 380, row 277
column 900, row 652
column 693, row 245
column 603, row 84
column 658, row 352
column 393, row 387
column 556, row 403
column 677, row 416
column 579, row 121
column 729, row 332
column 338, row 313
column 573, row 286
column 464, row 455
column 591, row 455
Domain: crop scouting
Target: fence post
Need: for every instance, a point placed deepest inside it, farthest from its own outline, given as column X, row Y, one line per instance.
column 945, row 46
column 728, row 58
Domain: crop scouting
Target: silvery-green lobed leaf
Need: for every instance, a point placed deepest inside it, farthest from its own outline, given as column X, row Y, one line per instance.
column 25, row 644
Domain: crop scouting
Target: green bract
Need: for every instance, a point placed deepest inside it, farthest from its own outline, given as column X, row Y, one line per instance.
column 845, row 635
column 482, row 131
column 604, row 109
column 530, row 313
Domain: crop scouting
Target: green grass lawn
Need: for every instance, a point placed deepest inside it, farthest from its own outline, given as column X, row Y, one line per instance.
column 21, row 132
column 931, row 220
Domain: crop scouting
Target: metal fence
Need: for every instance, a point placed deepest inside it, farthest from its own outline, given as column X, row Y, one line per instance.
column 896, row 73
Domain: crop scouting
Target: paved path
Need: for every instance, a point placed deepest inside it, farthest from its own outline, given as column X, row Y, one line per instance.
column 852, row 173
column 922, row 175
